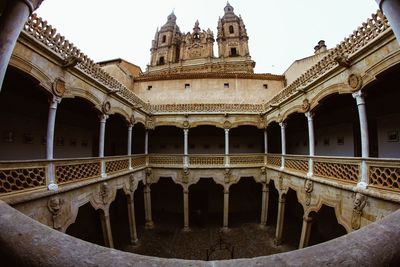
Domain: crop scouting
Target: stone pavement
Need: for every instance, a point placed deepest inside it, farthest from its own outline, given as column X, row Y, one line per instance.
column 169, row 241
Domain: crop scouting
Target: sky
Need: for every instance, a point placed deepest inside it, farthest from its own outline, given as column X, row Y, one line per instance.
column 279, row 31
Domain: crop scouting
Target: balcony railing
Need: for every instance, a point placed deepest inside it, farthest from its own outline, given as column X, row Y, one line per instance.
column 21, row 176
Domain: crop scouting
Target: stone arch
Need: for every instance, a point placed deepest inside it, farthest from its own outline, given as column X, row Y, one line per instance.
column 386, row 63
column 120, row 111
column 276, row 119
column 207, row 123
column 336, row 205
column 290, row 111
column 340, row 88
column 33, row 71
column 87, row 95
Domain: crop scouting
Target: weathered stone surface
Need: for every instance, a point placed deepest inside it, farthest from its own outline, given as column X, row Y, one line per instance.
column 34, row 244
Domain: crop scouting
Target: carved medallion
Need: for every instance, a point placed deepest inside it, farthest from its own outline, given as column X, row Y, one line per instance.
column 305, row 106
column 354, row 81
column 185, row 176
column 106, row 107
column 133, row 183
column 227, row 125
column 186, row 124
column 58, row 87
column 227, row 176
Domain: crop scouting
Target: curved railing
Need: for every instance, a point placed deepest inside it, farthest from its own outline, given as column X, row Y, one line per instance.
column 21, row 176
column 26, row 242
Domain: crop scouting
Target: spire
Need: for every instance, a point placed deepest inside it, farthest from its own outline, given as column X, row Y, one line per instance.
column 228, row 8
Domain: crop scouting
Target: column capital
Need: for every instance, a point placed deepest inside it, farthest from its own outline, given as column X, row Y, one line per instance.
column 54, row 101
column 359, row 97
column 282, row 124
column 32, row 4
column 185, row 130
column 103, row 117
column 226, row 190
column 307, row 218
column 226, row 130
column 309, row 115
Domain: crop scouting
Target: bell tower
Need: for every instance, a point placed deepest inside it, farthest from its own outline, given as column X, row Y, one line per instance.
column 232, row 35
column 165, row 46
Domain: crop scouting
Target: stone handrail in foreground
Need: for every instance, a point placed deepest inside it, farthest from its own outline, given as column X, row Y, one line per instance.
column 26, row 242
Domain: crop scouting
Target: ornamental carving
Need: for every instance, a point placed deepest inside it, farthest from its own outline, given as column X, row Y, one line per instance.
column 308, row 188
column 359, row 203
column 104, row 193
column 150, row 123
column 227, row 125
column 305, row 107
column 55, row 206
column 58, row 87
column 133, row 183
column 149, row 175
column 185, row 176
column 227, row 176
column 261, row 124
column 354, row 81
column 186, row 124
column 132, row 119
column 106, row 107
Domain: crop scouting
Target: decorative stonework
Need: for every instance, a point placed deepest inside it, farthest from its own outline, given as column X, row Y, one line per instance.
column 305, row 107
column 308, row 188
column 355, row 82
column 261, row 124
column 185, row 175
column 360, row 201
column 55, row 205
column 150, row 123
column 58, row 87
column 133, row 183
column 104, row 193
column 228, row 176
column 227, row 125
column 149, row 175
column 186, row 124
column 132, row 119
column 106, row 107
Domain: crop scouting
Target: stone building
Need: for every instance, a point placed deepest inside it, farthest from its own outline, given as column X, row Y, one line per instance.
column 112, row 154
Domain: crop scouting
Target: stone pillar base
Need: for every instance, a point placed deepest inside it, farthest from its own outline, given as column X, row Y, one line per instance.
column 149, row 225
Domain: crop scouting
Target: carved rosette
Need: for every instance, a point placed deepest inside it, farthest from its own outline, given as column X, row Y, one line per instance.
column 186, row 124
column 106, row 107
column 355, row 82
column 227, row 125
column 305, row 107
column 359, row 203
column 58, row 87
column 308, row 188
column 55, row 205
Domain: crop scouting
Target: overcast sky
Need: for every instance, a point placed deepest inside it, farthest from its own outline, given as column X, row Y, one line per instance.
column 280, row 31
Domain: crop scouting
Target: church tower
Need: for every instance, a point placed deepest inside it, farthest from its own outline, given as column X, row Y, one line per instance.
column 232, row 35
column 165, row 46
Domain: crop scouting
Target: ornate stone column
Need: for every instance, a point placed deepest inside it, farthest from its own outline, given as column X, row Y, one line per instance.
column 311, row 142
column 12, row 22
column 185, row 147
column 280, row 219
column 51, row 122
column 264, row 204
column 129, row 148
column 265, row 145
column 305, row 232
column 226, row 209
column 106, row 227
column 103, row 119
column 186, row 209
column 362, row 114
column 132, row 220
column 226, row 147
column 283, row 143
column 391, row 9
column 147, row 207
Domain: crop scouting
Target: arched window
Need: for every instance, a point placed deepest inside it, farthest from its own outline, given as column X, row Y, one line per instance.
column 161, row 61
column 164, row 38
column 231, row 30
